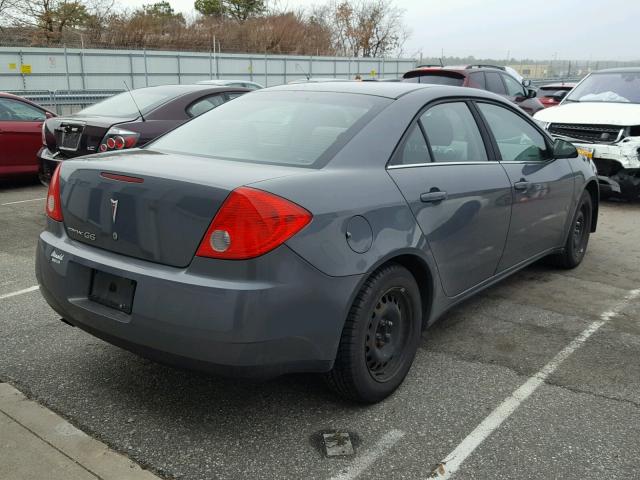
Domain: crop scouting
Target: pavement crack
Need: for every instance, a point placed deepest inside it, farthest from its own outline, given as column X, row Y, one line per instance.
column 594, row 394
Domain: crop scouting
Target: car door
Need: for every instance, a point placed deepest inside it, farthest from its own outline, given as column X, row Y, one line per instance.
column 460, row 199
column 20, row 135
column 542, row 187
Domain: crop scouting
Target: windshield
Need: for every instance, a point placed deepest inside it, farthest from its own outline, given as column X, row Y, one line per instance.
column 282, row 128
column 121, row 105
column 436, row 79
column 622, row 87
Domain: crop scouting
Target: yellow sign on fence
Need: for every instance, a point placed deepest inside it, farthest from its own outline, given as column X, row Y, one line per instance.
column 25, row 69
column 12, row 66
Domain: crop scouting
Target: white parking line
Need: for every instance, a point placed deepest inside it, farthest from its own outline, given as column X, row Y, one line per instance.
column 361, row 463
column 19, row 292
column 450, row 465
column 23, row 201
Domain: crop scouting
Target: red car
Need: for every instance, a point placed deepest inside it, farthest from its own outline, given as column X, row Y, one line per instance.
column 552, row 94
column 20, row 135
column 493, row 78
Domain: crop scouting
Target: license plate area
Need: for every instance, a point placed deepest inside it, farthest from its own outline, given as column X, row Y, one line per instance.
column 112, row 291
column 68, row 137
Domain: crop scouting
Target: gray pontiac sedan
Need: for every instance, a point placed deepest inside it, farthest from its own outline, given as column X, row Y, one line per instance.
column 315, row 227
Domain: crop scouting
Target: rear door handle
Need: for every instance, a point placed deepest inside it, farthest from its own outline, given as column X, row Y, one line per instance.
column 522, row 185
column 433, row 196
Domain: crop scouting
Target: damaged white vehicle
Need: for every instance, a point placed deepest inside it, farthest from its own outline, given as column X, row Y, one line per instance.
column 601, row 117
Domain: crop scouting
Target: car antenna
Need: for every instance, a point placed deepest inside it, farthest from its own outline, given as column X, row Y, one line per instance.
column 303, row 71
column 134, row 100
column 441, row 64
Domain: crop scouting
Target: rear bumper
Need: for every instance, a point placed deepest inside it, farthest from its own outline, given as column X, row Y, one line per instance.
column 48, row 162
column 268, row 316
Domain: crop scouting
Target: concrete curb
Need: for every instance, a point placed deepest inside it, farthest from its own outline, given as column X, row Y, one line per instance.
column 59, row 435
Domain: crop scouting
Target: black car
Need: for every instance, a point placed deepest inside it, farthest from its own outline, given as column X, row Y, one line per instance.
column 127, row 120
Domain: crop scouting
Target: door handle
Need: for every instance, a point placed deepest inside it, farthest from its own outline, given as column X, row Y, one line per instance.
column 521, row 185
column 434, row 196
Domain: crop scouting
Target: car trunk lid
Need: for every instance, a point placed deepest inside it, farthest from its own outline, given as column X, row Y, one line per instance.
column 150, row 205
column 78, row 135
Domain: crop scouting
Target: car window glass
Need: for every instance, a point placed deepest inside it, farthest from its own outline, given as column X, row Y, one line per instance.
column 476, row 80
column 494, row 83
column 453, row 133
column 231, row 96
column 514, row 88
column 205, row 104
column 14, row 110
column 517, row 139
column 414, row 151
column 284, row 128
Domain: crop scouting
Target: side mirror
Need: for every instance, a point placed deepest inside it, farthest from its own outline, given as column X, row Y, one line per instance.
column 564, row 149
column 531, row 93
column 526, row 83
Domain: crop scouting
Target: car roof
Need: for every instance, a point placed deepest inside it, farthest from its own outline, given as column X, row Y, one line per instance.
column 22, row 99
column 182, row 89
column 620, row 70
column 381, row 89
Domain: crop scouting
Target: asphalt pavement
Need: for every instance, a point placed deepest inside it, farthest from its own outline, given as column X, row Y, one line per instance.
column 569, row 339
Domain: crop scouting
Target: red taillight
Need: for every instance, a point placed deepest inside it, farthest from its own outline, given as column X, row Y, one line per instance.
column 54, row 207
column 251, row 223
column 118, row 139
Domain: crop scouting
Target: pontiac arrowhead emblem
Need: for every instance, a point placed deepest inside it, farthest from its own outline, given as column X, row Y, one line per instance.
column 114, row 209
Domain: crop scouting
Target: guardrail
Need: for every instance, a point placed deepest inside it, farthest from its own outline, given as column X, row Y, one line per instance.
column 65, row 102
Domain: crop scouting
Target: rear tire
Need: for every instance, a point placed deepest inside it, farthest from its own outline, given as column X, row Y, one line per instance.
column 576, row 246
column 380, row 337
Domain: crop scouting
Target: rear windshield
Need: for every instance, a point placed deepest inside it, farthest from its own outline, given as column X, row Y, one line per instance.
column 122, row 105
column 436, row 79
column 282, row 128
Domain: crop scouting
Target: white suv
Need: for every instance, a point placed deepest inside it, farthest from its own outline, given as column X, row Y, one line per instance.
column 601, row 117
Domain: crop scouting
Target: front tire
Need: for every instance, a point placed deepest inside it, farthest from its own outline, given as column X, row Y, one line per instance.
column 576, row 246
column 380, row 337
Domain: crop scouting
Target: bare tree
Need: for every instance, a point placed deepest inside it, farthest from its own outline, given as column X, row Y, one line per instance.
column 50, row 17
column 363, row 28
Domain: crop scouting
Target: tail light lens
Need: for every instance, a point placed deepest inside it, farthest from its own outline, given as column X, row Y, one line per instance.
column 251, row 223
column 54, row 206
column 119, row 139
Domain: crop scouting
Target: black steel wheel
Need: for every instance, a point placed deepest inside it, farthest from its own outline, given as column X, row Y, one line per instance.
column 576, row 245
column 380, row 337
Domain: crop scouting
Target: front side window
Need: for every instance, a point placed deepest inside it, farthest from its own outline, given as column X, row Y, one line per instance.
column 282, row 128
column 494, row 83
column 517, row 139
column 16, row 111
column 453, row 133
column 514, row 88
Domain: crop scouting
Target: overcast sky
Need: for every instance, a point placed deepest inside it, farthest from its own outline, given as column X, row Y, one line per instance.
column 572, row 29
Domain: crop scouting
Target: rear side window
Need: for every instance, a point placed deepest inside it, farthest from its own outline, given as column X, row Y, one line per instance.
column 517, row 139
column 414, row 151
column 205, row 104
column 476, row 80
column 453, row 133
column 282, row 128
column 494, row 83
